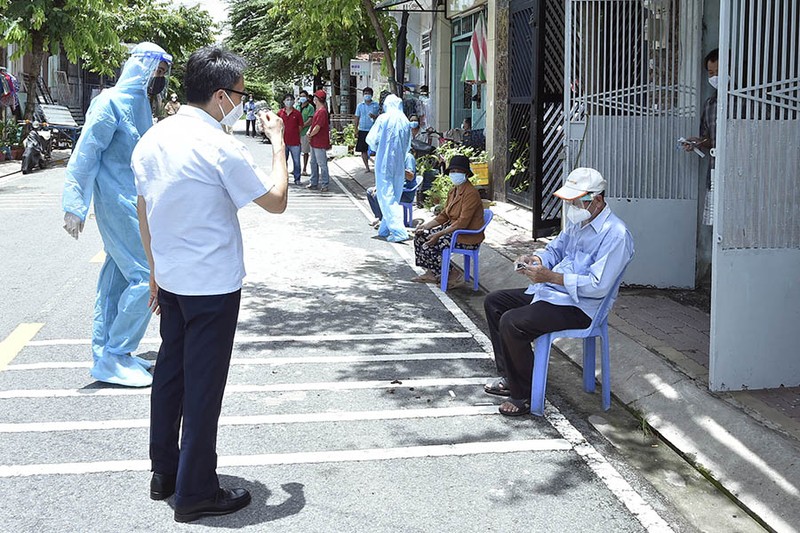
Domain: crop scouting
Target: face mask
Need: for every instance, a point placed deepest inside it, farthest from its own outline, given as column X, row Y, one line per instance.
column 231, row 118
column 303, row 99
column 367, row 98
column 713, row 81
column 288, row 103
column 423, row 97
column 576, row 214
column 174, row 98
column 156, row 85
column 414, row 125
column 458, row 178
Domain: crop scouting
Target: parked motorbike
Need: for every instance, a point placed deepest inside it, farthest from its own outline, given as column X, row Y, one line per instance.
column 37, row 148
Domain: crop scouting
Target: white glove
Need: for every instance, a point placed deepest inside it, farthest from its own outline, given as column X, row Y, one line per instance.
column 73, row 224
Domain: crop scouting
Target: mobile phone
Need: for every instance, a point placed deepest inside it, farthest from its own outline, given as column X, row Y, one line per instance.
column 520, row 266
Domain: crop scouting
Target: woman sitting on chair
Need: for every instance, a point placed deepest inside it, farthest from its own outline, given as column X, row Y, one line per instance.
column 464, row 210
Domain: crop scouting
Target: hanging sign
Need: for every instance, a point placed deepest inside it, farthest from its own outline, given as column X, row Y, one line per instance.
column 457, row 7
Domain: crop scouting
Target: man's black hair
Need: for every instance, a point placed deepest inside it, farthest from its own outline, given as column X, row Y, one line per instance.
column 368, row 90
column 209, row 69
column 304, row 93
column 423, row 89
column 711, row 57
column 288, row 95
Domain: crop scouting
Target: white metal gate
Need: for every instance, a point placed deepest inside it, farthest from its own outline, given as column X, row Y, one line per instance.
column 756, row 263
column 631, row 78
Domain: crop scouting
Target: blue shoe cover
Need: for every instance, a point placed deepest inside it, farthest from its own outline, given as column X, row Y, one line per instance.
column 147, row 364
column 121, row 370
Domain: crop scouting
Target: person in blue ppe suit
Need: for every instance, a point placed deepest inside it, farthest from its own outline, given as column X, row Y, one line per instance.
column 390, row 138
column 100, row 170
column 409, row 189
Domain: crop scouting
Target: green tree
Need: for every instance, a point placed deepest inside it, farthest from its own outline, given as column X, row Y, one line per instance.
column 94, row 30
column 285, row 39
column 264, row 38
column 179, row 30
column 83, row 28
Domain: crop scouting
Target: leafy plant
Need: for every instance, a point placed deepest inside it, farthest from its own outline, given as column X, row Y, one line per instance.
column 347, row 136
column 519, row 168
column 10, row 133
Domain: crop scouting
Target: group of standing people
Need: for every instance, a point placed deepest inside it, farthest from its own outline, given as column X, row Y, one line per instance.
column 306, row 135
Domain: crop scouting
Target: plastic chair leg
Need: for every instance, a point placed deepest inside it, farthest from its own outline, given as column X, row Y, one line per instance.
column 605, row 368
column 467, row 261
column 541, row 359
column 476, row 272
column 408, row 214
column 589, row 358
column 445, row 269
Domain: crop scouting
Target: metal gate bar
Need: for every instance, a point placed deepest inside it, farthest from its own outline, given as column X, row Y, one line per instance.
column 632, row 94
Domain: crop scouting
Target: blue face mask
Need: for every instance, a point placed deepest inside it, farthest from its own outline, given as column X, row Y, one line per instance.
column 303, row 99
column 414, row 125
column 367, row 98
column 458, row 178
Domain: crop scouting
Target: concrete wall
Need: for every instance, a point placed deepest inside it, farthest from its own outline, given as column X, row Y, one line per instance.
column 439, row 84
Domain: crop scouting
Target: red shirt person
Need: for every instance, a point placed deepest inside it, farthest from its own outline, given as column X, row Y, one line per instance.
column 292, row 124
column 319, row 136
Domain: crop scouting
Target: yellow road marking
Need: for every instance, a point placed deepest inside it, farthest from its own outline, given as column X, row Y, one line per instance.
column 99, row 258
column 16, row 341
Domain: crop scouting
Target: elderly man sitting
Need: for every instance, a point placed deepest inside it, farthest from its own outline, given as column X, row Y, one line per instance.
column 569, row 280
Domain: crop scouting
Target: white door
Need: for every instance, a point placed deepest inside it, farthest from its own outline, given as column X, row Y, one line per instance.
column 755, row 306
column 631, row 78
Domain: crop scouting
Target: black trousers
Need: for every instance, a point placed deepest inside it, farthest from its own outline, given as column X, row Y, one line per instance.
column 250, row 123
column 188, row 384
column 514, row 323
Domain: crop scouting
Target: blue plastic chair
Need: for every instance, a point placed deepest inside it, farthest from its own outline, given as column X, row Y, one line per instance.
column 598, row 328
column 408, row 207
column 470, row 256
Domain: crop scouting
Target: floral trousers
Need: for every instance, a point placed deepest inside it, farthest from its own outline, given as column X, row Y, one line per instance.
column 430, row 257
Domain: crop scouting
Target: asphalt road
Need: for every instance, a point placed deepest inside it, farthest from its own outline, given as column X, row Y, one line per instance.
column 354, row 401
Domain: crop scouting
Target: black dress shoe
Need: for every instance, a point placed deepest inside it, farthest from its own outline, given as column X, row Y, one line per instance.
column 162, row 486
column 225, row 502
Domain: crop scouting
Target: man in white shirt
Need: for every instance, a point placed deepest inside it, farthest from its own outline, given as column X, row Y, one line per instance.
column 192, row 178
column 569, row 280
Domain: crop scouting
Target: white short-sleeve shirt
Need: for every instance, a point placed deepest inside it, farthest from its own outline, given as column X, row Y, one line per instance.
column 194, row 178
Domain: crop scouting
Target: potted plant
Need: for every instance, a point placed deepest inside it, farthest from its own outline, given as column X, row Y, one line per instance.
column 12, row 140
column 5, row 134
column 343, row 142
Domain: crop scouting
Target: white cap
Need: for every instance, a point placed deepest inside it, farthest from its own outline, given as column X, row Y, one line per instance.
column 580, row 182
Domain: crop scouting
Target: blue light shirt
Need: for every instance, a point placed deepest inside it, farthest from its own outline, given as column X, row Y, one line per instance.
column 363, row 111
column 590, row 257
column 411, row 163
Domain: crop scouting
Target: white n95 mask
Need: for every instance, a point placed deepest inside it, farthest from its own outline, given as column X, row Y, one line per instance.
column 234, row 115
column 576, row 215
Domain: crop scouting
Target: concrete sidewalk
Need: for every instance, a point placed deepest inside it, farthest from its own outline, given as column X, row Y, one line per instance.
column 748, row 442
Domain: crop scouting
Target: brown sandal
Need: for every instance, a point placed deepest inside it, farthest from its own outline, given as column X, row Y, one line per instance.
column 425, row 278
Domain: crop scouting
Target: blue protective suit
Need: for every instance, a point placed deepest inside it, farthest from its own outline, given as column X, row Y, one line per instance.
column 100, row 170
column 390, row 138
